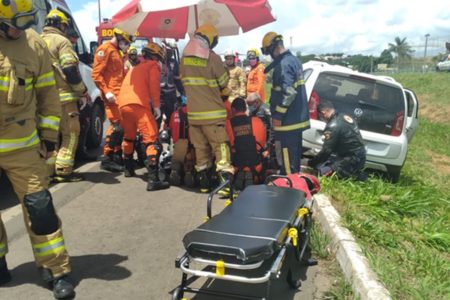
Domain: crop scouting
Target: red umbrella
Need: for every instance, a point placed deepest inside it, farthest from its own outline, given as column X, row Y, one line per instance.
column 173, row 19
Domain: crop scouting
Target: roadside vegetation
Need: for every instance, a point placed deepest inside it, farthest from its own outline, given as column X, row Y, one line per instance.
column 404, row 228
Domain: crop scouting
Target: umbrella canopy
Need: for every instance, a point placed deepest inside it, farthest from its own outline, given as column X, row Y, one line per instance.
column 174, row 18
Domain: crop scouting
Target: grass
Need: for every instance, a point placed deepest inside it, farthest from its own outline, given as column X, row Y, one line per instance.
column 404, row 228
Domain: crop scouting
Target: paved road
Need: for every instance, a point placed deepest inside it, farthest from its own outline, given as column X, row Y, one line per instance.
column 123, row 241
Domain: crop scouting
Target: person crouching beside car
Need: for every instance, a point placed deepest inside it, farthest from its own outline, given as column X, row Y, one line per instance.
column 343, row 151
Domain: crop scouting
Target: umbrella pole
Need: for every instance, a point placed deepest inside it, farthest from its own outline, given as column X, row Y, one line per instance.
column 196, row 16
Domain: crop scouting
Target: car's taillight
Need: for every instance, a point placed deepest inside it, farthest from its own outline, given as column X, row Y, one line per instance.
column 313, row 104
column 398, row 123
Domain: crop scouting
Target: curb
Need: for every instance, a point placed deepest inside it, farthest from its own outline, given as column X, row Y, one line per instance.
column 349, row 254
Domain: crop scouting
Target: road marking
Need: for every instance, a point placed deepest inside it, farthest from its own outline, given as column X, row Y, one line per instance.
column 16, row 210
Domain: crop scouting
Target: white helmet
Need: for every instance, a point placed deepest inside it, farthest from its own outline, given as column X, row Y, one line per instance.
column 229, row 52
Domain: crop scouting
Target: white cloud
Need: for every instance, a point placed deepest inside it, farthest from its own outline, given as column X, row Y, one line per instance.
column 352, row 27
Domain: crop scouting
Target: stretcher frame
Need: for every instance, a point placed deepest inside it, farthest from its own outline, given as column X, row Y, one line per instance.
column 215, row 270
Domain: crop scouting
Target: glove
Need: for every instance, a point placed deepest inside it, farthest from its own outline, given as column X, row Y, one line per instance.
column 110, row 97
column 157, row 113
column 47, row 148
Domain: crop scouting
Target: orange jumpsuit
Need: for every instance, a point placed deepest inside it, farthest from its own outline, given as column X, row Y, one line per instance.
column 140, row 88
column 256, row 81
column 108, row 73
column 259, row 131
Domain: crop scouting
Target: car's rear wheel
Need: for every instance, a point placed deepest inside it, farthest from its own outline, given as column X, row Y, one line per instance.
column 95, row 131
column 393, row 173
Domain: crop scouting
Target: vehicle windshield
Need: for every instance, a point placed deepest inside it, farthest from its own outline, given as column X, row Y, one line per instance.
column 373, row 104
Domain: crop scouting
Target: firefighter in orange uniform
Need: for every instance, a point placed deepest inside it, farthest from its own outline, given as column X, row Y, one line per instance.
column 138, row 97
column 256, row 79
column 248, row 139
column 29, row 121
column 205, row 81
column 108, row 73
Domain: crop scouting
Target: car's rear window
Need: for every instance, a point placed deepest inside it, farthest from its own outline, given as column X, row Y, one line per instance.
column 374, row 105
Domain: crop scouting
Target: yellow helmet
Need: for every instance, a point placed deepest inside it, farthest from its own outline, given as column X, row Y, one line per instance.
column 18, row 13
column 56, row 16
column 270, row 41
column 132, row 50
column 129, row 38
column 208, row 32
column 155, row 50
column 253, row 52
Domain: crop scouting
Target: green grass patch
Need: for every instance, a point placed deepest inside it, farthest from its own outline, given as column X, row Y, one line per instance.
column 404, row 228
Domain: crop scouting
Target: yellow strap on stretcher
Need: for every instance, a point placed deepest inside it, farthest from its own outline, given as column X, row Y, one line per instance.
column 302, row 212
column 206, row 219
column 228, row 202
column 293, row 234
column 220, row 268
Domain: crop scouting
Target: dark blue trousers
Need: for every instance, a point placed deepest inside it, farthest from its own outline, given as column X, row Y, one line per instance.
column 291, row 150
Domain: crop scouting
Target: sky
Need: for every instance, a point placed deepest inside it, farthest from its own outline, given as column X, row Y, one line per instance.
column 321, row 26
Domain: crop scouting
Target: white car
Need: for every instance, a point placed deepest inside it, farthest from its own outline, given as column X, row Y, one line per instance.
column 385, row 111
column 444, row 65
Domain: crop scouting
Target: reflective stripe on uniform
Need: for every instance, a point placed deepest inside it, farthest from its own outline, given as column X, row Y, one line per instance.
column 208, row 115
column 292, row 126
column 64, row 97
column 51, row 247
column 7, row 145
column 47, row 79
column 67, row 59
column 49, row 122
column 281, row 109
column 286, row 162
column 3, row 249
column 4, row 83
column 195, row 61
column 222, row 80
column 296, row 84
column 198, row 81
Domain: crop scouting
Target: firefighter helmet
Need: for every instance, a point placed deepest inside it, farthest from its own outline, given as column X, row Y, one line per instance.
column 228, row 53
column 209, row 33
column 129, row 38
column 19, row 13
column 270, row 41
column 133, row 50
column 155, row 50
column 253, row 52
column 56, row 16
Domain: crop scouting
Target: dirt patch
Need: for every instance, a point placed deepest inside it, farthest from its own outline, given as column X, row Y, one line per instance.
column 440, row 162
column 435, row 112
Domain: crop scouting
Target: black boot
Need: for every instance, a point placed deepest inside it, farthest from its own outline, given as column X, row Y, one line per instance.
column 204, row 181
column 175, row 173
column 109, row 164
column 129, row 166
column 5, row 276
column 154, row 183
column 117, row 157
column 63, row 289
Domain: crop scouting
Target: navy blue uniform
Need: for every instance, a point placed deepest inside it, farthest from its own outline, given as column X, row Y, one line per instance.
column 288, row 119
column 343, row 150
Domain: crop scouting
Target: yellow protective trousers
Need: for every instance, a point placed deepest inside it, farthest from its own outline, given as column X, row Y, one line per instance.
column 27, row 173
column 211, row 142
column 70, row 130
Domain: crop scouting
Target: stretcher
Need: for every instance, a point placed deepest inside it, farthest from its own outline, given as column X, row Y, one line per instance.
column 264, row 228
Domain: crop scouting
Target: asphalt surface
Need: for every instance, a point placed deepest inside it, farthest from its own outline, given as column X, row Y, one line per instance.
column 123, row 242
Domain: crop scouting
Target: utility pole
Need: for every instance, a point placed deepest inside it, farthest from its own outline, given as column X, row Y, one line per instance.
column 290, row 42
column 426, row 45
column 99, row 13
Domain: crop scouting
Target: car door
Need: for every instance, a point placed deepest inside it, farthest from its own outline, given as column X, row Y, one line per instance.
column 412, row 120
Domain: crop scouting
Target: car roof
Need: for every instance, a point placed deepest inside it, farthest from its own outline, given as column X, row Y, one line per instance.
column 323, row 66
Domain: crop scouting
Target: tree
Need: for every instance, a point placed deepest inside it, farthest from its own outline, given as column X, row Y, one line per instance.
column 385, row 58
column 401, row 49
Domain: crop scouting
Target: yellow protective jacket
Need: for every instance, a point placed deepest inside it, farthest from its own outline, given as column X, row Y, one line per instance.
column 203, row 79
column 63, row 56
column 237, row 84
column 29, row 101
